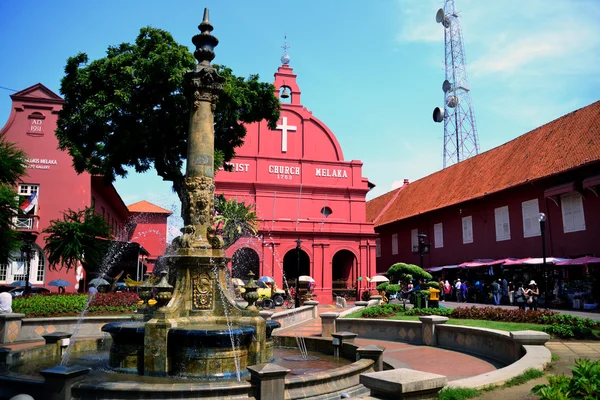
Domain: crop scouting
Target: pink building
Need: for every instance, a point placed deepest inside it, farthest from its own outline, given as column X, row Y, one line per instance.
column 487, row 207
column 149, row 224
column 52, row 186
column 303, row 189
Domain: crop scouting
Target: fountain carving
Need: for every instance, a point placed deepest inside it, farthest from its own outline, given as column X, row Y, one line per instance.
column 200, row 331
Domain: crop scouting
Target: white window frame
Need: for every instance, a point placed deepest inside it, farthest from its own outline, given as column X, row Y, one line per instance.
column 26, row 190
column 377, row 247
column 438, row 235
column 531, row 211
column 395, row 244
column 502, row 223
column 467, row 229
column 414, row 241
column 571, row 204
column 14, row 269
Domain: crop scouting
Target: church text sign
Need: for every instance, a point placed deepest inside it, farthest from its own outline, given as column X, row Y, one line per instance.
column 331, row 173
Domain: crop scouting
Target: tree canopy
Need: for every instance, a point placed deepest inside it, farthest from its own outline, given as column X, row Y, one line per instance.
column 406, row 272
column 234, row 219
column 80, row 236
column 12, row 167
column 129, row 109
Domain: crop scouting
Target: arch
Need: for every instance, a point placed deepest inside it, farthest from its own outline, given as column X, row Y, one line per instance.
column 291, row 265
column 344, row 266
column 243, row 261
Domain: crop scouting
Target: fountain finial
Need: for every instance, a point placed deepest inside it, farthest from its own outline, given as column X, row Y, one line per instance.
column 205, row 42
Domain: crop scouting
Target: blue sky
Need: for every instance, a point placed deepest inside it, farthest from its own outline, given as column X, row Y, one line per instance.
column 372, row 71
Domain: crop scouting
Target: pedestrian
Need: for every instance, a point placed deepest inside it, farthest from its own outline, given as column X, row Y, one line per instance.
column 463, row 291
column 520, row 297
column 496, row 292
column 504, row 289
column 5, row 303
column 511, row 293
column 447, row 290
column 457, row 286
column 442, row 291
column 533, row 293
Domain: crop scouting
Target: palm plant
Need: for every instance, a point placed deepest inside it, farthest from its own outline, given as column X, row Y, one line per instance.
column 81, row 236
column 234, row 219
column 13, row 165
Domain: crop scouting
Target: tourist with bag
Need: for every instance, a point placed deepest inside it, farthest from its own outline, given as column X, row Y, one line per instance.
column 532, row 295
column 520, row 297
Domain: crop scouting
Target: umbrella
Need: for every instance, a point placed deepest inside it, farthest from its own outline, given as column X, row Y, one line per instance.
column 18, row 283
column 98, row 282
column 305, row 278
column 59, row 282
column 266, row 279
column 379, row 279
column 237, row 282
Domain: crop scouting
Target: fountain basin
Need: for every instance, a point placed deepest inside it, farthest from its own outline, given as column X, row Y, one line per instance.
column 127, row 349
column 210, row 351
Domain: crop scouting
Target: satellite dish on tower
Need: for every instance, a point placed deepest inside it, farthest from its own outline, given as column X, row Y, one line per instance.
column 446, row 86
column 452, row 101
column 439, row 16
column 438, row 114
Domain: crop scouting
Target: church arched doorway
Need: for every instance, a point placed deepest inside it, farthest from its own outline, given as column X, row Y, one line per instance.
column 344, row 271
column 290, row 266
column 243, row 261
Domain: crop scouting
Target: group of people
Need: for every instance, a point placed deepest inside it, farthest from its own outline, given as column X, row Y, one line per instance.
column 495, row 292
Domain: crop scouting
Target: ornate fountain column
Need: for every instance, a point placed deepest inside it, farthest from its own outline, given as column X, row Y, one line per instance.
column 199, row 269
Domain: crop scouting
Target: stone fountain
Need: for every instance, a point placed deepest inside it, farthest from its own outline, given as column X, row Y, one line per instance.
column 198, row 330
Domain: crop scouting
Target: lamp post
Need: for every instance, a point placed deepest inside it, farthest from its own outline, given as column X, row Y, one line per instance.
column 542, row 220
column 26, row 250
column 423, row 247
column 297, row 297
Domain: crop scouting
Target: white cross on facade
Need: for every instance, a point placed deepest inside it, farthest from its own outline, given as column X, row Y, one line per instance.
column 284, row 130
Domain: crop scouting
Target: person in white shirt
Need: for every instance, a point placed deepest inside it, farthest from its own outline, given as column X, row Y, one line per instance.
column 5, row 303
column 458, row 291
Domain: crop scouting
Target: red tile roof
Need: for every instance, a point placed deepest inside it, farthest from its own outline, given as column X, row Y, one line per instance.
column 147, row 207
column 563, row 144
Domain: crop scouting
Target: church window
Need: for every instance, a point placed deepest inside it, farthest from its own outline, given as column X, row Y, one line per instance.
column 326, row 211
column 394, row 244
column 28, row 206
column 3, row 271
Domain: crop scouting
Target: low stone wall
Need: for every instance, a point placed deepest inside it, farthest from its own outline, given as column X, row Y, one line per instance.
column 488, row 343
column 293, row 316
column 382, row 329
column 36, row 328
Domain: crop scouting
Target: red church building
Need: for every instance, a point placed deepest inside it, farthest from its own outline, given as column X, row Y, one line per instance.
column 487, row 207
column 302, row 188
column 51, row 186
column 149, row 224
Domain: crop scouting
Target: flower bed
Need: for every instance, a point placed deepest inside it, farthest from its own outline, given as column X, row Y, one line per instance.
column 63, row 305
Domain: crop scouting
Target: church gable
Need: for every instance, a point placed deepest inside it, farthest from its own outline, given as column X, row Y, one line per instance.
column 37, row 93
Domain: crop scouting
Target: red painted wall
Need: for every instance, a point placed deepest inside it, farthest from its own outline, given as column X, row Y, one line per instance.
column 291, row 178
column 558, row 243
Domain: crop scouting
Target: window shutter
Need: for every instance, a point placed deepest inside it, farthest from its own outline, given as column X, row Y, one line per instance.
column 467, row 227
column 394, row 244
column 438, row 235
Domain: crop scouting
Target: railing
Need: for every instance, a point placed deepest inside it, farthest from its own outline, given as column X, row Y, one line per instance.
column 26, row 222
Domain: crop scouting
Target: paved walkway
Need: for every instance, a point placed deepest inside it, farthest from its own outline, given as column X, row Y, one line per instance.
column 583, row 314
column 457, row 365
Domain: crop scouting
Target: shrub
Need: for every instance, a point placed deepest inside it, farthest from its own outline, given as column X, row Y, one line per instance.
column 403, row 271
column 391, row 289
column 385, row 310
column 445, row 312
column 568, row 326
column 432, row 284
column 383, row 286
column 585, row 383
column 500, row 314
column 51, row 305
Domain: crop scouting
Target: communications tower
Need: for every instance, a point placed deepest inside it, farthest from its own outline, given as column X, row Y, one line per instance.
column 460, row 131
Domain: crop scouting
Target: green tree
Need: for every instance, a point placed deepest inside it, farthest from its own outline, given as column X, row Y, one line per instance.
column 80, row 236
column 129, row 109
column 13, row 165
column 406, row 272
column 234, row 219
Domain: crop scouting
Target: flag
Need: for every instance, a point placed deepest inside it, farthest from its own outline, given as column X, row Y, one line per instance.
column 29, row 203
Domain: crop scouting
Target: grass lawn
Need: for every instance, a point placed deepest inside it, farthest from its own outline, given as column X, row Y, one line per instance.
column 479, row 323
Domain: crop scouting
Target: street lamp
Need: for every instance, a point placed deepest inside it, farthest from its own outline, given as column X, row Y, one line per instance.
column 542, row 220
column 423, row 247
column 297, row 299
column 26, row 251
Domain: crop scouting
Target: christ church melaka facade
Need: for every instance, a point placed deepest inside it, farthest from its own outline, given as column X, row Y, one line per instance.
column 302, row 188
